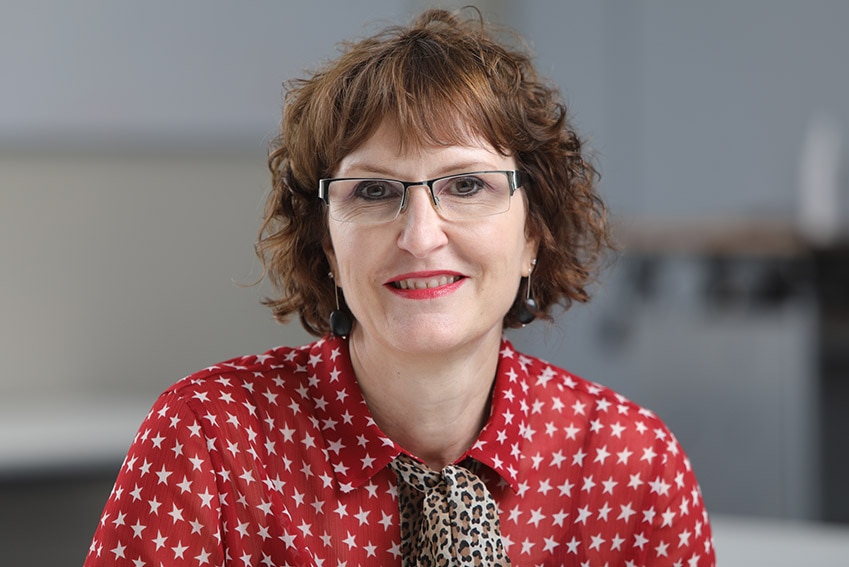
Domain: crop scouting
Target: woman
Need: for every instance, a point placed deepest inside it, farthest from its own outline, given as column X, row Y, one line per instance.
column 428, row 192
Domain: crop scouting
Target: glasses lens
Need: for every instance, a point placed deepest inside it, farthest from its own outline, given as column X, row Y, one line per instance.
column 457, row 197
column 473, row 195
column 365, row 200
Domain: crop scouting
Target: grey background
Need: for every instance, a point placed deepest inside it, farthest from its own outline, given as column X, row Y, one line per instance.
column 132, row 147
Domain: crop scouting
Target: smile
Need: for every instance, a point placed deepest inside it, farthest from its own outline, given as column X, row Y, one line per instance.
column 425, row 283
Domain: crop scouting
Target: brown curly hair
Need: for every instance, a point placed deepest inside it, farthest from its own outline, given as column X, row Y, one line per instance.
column 441, row 71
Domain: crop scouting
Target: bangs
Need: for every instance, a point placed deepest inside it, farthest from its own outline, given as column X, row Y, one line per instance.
column 436, row 91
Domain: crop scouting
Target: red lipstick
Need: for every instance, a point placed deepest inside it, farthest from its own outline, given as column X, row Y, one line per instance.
column 425, row 285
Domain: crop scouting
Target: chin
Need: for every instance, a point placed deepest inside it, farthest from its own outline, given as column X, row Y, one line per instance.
column 437, row 336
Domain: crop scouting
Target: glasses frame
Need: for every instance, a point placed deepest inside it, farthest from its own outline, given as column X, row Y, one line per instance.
column 515, row 179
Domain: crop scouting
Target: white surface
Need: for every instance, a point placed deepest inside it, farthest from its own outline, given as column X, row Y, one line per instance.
column 749, row 542
column 67, row 433
column 64, row 434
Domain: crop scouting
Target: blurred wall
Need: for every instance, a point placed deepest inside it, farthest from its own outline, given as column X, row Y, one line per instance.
column 132, row 177
column 701, row 113
column 696, row 108
column 132, row 144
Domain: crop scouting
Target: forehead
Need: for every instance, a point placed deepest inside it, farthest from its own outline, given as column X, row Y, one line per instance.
column 388, row 151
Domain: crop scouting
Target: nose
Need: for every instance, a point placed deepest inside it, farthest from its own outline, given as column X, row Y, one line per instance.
column 421, row 226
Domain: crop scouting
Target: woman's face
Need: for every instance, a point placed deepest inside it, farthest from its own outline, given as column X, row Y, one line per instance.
column 471, row 268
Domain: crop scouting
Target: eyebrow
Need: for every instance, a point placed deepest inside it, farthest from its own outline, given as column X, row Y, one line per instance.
column 455, row 168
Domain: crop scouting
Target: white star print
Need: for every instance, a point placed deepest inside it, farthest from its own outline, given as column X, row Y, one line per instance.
column 560, row 454
column 351, row 541
column 566, row 488
column 609, row 485
column 597, row 541
column 616, row 542
column 557, row 459
column 179, row 550
column 560, row 517
column 536, row 517
column 160, row 540
column 176, row 514
column 119, row 550
column 626, row 512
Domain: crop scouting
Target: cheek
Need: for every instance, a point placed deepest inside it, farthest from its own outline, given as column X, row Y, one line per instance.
column 353, row 251
column 501, row 256
column 337, row 253
column 507, row 241
column 342, row 238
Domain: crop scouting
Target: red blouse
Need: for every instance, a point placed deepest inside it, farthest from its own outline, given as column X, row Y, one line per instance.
column 275, row 460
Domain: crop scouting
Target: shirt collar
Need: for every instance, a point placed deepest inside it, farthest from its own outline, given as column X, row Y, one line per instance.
column 356, row 447
column 499, row 445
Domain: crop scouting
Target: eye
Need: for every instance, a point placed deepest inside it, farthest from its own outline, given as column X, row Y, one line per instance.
column 466, row 186
column 375, row 190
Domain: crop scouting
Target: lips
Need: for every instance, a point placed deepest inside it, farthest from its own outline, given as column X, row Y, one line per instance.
column 425, row 283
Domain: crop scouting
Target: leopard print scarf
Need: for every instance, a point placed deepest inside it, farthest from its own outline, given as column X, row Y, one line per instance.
column 447, row 517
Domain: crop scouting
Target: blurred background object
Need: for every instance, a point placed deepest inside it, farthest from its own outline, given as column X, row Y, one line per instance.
column 132, row 149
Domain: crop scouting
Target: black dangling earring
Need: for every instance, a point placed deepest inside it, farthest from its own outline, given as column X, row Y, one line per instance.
column 525, row 313
column 340, row 319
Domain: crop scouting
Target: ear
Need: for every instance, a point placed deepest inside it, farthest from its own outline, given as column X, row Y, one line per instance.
column 529, row 255
column 330, row 254
column 532, row 233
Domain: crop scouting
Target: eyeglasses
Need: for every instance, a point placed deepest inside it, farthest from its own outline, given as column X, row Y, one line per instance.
column 455, row 197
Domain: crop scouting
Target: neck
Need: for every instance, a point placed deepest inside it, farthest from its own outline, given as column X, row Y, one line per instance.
column 432, row 404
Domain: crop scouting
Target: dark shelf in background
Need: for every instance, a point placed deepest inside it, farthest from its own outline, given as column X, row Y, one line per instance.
column 47, row 519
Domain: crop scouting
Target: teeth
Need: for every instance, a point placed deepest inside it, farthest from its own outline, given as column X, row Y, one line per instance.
column 426, row 283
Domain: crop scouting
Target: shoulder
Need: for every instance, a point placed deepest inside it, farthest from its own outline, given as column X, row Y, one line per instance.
column 603, row 431
column 546, row 380
column 623, row 457
column 584, row 408
column 266, row 378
